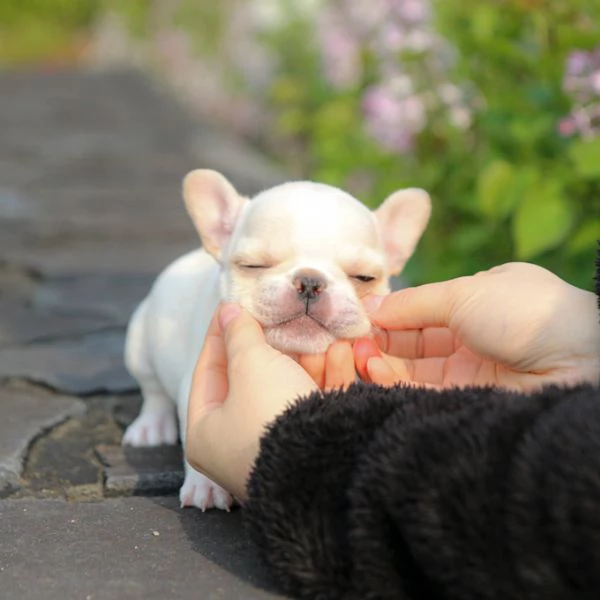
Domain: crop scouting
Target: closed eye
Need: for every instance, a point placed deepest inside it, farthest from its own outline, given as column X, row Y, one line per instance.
column 363, row 278
column 251, row 266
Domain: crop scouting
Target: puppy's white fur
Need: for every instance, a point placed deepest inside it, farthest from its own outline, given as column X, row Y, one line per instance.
column 298, row 257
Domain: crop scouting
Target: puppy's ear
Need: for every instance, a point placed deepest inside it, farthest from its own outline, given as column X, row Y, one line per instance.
column 213, row 205
column 402, row 219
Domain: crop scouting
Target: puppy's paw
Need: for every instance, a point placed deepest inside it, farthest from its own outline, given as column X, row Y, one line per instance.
column 152, row 429
column 198, row 490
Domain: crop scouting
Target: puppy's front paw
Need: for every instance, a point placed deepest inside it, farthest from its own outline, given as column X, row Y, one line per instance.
column 198, row 490
column 152, row 429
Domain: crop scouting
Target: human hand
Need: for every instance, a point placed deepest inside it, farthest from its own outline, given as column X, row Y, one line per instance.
column 331, row 370
column 240, row 385
column 515, row 326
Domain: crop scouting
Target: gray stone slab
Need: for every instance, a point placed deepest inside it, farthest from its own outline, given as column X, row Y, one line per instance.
column 109, row 297
column 21, row 324
column 24, row 415
column 90, row 364
column 67, row 103
column 61, row 253
column 125, row 549
column 141, row 471
column 151, row 208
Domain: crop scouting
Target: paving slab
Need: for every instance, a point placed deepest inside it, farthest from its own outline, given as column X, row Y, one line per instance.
column 105, row 297
column 141, row 471
column 55, row 254
column 24, row 417
column 91, row 165
column 125, row 549
column 21, row 325
column 82, row 365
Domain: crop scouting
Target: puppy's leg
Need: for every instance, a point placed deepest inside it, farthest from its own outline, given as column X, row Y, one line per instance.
column 156, row 424
column 197, row 489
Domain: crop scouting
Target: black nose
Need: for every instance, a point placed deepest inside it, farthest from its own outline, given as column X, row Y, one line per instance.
column 309, row 285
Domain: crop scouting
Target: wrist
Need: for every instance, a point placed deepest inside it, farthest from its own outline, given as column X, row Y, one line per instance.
column 585, row 334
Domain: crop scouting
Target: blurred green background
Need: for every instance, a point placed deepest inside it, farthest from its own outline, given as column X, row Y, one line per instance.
column 493, row 107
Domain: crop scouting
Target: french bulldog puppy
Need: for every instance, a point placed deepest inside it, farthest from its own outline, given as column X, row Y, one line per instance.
column 299, row 257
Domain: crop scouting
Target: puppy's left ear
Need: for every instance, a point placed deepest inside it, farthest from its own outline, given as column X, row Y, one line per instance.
column 214, row 206
column 402, row 218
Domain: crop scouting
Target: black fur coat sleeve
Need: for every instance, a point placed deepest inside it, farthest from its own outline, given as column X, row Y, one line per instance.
column 396, row 493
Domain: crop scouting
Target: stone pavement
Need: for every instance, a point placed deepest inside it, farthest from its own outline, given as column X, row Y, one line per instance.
column 90, row 171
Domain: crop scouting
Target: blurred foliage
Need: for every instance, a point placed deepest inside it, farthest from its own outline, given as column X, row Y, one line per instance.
column 212, row 17
column 33, row 31
column 135, row 14
column 508, row 187
column 531, row 193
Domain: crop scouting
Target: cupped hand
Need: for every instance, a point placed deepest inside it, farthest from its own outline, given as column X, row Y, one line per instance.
column 240, row 385
column 516, row 326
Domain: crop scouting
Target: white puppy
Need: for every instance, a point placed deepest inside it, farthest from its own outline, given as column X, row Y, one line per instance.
column 298, row 257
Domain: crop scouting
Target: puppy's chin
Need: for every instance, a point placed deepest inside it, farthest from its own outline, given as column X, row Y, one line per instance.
column 300, row 336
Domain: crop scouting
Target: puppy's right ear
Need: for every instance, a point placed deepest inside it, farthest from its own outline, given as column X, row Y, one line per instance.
column 214, row 206
column 402, row 218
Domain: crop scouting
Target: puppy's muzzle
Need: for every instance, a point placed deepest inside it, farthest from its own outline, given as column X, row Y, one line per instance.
column 309, row 285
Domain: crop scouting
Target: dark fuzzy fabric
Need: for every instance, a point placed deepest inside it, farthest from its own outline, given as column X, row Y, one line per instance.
column 306, row 464
column 473, row 494
column 483, row 504
column 462, row 494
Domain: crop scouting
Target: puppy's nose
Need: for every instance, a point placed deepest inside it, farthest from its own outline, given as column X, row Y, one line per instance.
column 309, row 284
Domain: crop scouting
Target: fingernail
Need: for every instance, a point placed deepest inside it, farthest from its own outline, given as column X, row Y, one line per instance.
column 372, row 303
column 227, row 313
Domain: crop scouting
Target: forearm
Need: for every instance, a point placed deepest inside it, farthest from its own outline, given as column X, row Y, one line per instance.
column 298, row 509
column 471, row 493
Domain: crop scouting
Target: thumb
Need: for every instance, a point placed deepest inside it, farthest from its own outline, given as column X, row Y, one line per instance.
column 241, row 331
column 428, row 305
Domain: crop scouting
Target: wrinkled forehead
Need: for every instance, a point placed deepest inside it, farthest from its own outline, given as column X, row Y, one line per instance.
column 306, row 214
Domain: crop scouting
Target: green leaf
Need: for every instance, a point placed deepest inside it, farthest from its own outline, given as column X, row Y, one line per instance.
column 585, row 155
column 492, row 185
column 585, row 239
column 542, row 221
column 483, row 23
column 501, row 186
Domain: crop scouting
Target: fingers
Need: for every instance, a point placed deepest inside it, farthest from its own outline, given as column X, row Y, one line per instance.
column 209, row 381
column 388, row 370
column 224, row 340
column 416, row 308
column 374, row 366
column 333, row 369
column 379, row 371
column 241, row 332
column 383, row 372
column 364, row 349
column 416, row 343
column 314, row 365
column 339, row 366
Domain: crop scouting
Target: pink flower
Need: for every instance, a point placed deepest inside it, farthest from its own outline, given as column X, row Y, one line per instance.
column 391, row 37
column 577, row 62
column 582, row 84
column 392, row 120
column 566, row 127
column 340, row 51
column 366, row 15
column 378, row 102
column 595, row 81
column 413, row 12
